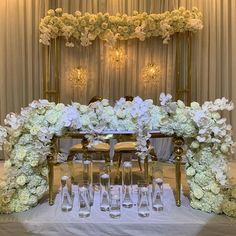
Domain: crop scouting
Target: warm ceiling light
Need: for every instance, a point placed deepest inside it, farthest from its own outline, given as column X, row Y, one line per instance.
column 79, row 77
column 151, row 74
column 117, row 56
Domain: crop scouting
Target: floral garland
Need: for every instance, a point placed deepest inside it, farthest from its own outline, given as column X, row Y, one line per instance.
column 85, row 28
column 26, row 139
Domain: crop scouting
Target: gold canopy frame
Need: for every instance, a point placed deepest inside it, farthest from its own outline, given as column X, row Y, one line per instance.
column 183, row 61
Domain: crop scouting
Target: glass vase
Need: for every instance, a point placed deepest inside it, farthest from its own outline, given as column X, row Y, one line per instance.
column 127, row 201
column 84, row 201
column 115, row 209
column 104, row 189
column 157, row 178
column 88, row 171
column 143, row 201
column 66, row 199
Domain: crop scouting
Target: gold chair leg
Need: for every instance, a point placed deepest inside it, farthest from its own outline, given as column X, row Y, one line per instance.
column 106, row 157
column 139, row 163
column 119, row 160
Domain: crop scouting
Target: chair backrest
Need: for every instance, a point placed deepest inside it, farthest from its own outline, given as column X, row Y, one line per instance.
column 129, row 98
column 95, row 99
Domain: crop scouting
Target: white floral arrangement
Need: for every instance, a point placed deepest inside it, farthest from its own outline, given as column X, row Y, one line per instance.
column 85, row 28
column 26, row 139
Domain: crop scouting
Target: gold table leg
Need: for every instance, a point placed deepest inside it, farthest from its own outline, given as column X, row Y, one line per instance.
column 178, row 150
column 54, row 151
column 50, row 179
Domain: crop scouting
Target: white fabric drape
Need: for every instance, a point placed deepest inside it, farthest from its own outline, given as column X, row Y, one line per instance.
column 20, row 54
column 213, row 62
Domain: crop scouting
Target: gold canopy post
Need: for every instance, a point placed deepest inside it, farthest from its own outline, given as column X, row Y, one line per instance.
column 189, row 69
column 51, row 82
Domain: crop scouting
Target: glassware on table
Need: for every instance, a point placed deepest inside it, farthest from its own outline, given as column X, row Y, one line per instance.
column 143, row 200
column 127, row 201
column 157, row 204
column 84, row 201
column 104, row 190
column 91, row 194
column 115, row 208
column 66, row 199
column 90, row 187
column 87, row 170
column 157, row 178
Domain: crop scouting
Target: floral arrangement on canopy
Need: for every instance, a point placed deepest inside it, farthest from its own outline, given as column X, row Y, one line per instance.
column 85, row 28
column 27, row 136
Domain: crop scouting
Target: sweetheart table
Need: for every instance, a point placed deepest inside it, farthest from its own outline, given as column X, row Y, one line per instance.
column 178, row 151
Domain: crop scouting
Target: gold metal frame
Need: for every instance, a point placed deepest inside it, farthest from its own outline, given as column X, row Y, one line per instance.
column 51, row 80
column 183, row 87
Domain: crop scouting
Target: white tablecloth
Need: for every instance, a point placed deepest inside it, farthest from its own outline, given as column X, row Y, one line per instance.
column 50, row 220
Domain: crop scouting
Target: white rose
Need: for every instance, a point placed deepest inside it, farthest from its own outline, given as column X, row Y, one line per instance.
column 44, row 171
column 195, row 145
column 20, row 154
column 182, row 118
column 24, row 196
column 164, row 120
column 149, row 102
column 190, row 171
column 224, row 148
column 105, row 102
column 52, row 118
column 21, row 180
column 83, row 108
column 214, row 188
column 34, row 130
column 198, row 193
column 195, row 105
column 32, row 200
column 216, row 115
column 58, row 10
column 59, row 106
column 33, row 162
column 109, row 111
column 180, row 104
column 40, row 191
column 85, row 121
column 120, row 114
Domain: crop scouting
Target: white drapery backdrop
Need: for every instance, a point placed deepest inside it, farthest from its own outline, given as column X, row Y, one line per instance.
column 213, row 62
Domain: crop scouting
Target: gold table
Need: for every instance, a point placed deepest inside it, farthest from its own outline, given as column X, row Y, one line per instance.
column 178, row 151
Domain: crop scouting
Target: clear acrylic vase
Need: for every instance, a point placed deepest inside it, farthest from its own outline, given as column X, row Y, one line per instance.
column 143, row 202
column 104, row 190
column 127, row 201
column 66, row 199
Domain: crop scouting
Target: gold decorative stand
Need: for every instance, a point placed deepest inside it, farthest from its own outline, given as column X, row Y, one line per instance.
column 178, row 150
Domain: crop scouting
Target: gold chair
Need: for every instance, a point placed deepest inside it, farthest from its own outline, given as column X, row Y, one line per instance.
column 101, row 148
